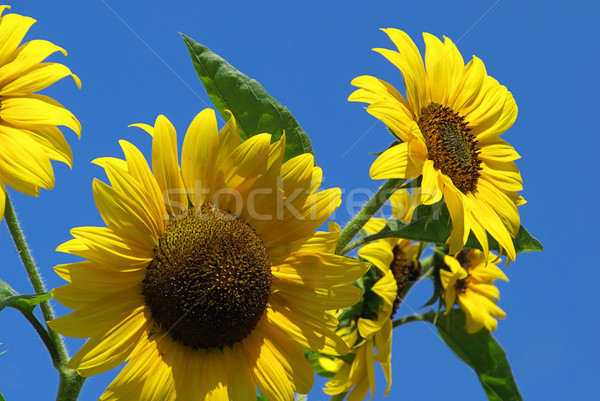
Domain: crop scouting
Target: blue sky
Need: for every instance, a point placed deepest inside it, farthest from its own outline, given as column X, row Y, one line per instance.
column 134, row 66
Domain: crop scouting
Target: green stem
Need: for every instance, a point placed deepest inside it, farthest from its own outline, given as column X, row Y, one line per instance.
column 70, row 382
column 427, row 317
column 23, row 249
column 372, row 206
column 70, row 385
column 43, row 333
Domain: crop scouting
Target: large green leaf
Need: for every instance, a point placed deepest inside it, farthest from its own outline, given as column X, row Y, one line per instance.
column 432, row 224
column 481, row 352
column 24, row 303
column 255, row 111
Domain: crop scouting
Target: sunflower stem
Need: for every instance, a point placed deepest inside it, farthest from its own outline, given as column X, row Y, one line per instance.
column 427, row 317
column 372, row 206
column 70, row 381
column 70, row 385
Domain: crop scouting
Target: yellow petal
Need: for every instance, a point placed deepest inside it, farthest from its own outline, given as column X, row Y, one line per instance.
column 308, row 332
column 461, row 224
column 241, row 383
column 468, row 88
column 373, row 90
column 316, row 298
column 121, row 215
column 138, row 168
column 22, row 160
column 239, row 171
column 199, row 155
column 430, row 189
column 378, row 253
column 319, row 270
column 34, row 111
column 2, row 199
column 215, row 370
column 409, row 62
column 111, row 348
column 27, row 57
column 37, row 79
column 147, row 376
column 440, row 69
column 269, row 375
column 13, row 28
column 289, row 354
column 93, row 319
column 165, row 164
column 393, row 163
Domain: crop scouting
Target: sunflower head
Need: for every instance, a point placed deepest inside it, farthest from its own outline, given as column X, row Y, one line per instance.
column 449, row 126
column 209, row 277
column 29, row 137
column 469, row 282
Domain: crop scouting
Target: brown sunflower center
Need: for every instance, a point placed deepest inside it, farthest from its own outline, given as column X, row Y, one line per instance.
column 451, row 145
column 465, row 263
column 405, row 271
column 210, row 279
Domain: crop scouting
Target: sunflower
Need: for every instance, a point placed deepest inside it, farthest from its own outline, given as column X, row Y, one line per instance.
column 468, row 282
column 364, row 336
column 449, row 126
column 210, row 278
column 29, row 138
column 397, row 263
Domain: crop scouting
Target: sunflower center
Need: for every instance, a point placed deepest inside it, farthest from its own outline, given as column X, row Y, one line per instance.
column 405, row 271
column 210, row 279
column 451, row 145
column 465, row 263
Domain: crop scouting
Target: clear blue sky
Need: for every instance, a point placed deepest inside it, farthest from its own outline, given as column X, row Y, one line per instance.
column 134, row 66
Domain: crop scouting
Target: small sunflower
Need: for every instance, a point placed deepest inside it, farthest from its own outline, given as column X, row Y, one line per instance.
column 398, row 255
column 469, row 283
column 450, row 125
column 397, row 263
column 209, row 278
column 364, row 337
column 29, row 137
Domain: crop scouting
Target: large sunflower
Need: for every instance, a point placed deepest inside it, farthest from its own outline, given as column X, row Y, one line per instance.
column 449, row 125
column 396, row 261
column 29, row 138
column 210, row 278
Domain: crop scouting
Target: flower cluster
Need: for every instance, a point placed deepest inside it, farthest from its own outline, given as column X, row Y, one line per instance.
column 212, row 279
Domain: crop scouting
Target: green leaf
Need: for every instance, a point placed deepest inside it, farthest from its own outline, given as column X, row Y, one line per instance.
column 1, row 397
column 24, row 303
column 482, row 353
column 255, row 111
column 432, row 224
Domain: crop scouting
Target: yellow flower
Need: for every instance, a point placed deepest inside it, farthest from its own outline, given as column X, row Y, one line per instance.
column 449, row 125
column 210, row 278
column 396, row 260
column 469, row 283
column 29, row 138
column 358, row 377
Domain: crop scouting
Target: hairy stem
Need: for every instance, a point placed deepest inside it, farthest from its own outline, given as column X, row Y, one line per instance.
column 372, row 206
column 70, row 382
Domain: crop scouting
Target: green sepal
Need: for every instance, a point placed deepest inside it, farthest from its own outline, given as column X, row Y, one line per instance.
column 24, row 303
column 254, row 109
column 431, row 223
column 482, row 353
